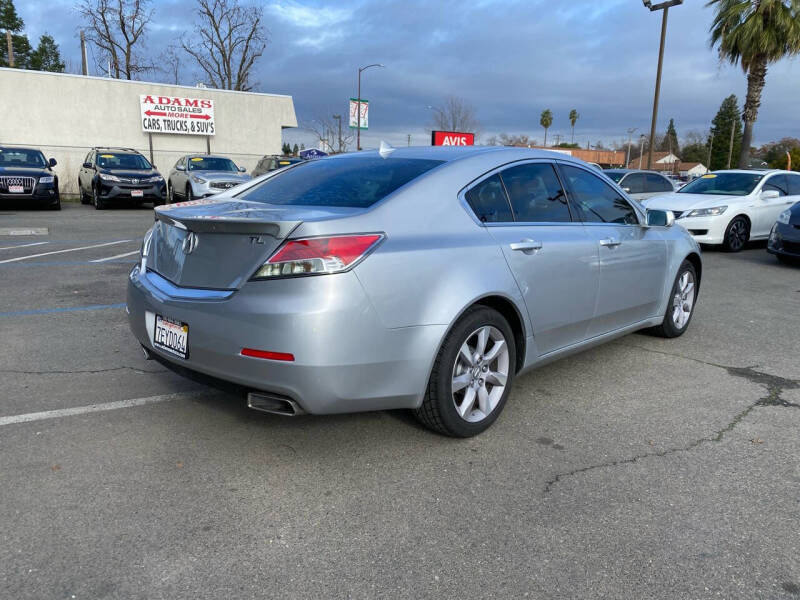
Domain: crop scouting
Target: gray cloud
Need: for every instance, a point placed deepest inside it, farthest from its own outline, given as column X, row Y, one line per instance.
column 509, row 59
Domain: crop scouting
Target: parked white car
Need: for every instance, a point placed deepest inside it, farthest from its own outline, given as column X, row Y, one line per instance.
column 731, row 207
column 641, row 185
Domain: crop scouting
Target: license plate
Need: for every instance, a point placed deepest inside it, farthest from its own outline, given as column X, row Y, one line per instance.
column 137, row 193
column 16, row 189
column 172, row 336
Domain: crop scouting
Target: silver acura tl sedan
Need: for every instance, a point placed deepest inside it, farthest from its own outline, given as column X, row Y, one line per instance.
column 417, row 278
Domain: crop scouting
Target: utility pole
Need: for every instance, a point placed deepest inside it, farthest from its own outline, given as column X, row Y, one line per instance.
column 710, row 146
column 339, row 119
column 654, row 7
column 10, row 49
column 358, row 103
column 730, row 149
column 409, row 139
column 84, row 59
column 631, row 131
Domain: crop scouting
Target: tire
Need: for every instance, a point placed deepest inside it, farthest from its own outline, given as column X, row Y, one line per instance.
column 170, row 194
column 188, row 196
column 56, row 206
column 676, row 321
column 736, row 234
column 84, row 197
column 98, row 202
column 484, row 385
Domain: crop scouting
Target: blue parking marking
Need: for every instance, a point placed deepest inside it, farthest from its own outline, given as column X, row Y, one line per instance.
column 46, row 311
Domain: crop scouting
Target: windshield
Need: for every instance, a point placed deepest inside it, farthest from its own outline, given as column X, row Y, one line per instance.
column 134, row 162
column 615, row 176
column 211, row 163
column 356, row 182
column 726, row 184
column 21, row 157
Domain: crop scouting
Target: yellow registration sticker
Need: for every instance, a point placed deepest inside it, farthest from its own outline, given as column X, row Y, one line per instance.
column 709, row 176
column 197, row 160
column 284, row 162
column 106, row 156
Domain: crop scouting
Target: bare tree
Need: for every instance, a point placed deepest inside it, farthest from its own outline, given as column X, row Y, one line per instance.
column 455, row 115
column 170, row 64
column 227, row 41
column 118, row 28
column 326, row 129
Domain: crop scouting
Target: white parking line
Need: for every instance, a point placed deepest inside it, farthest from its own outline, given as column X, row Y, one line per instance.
column 91, row 408
column 113, row 257
column 23, row 245
column 9, row 260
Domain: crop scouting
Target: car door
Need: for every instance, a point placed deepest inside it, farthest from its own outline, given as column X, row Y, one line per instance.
column 549, row 253
column 178, row 176
column 632, row 256
column 634, row 185
column 768, row 209
column 84, row 176
column 656, row 184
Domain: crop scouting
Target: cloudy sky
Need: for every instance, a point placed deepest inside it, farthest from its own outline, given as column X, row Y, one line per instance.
column 509, row 59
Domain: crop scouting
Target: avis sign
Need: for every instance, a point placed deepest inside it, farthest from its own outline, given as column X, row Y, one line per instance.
column 452, row 138
column 176, row 114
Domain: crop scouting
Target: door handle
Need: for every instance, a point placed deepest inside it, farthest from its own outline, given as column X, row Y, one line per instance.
column 610, row 242
column 526, row 246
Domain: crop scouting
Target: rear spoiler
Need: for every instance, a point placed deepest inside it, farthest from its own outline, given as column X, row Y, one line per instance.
column 241, row 218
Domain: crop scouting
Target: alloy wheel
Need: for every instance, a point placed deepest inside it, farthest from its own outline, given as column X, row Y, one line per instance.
column 480, row 374
column 683, row 300
column 737, row 235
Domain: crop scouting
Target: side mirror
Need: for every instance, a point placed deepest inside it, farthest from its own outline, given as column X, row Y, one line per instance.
column 180, row 168
column 52, row 162
column 769, row 194
column 660, row 218
column 87, row 165
column 242, row 170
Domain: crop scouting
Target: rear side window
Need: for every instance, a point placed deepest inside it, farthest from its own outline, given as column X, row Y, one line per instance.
column 357, row 182
column 635, row 182
column 657, row 183
column 489, row 201
column 535, row 194
column 598, row 201
column 794, row 185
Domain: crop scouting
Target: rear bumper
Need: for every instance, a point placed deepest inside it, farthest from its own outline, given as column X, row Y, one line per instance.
column 344, row 359
column 784, row 240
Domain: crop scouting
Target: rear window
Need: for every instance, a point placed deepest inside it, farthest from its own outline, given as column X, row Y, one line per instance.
column 356, row 182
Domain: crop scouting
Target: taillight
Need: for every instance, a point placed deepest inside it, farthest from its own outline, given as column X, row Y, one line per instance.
column 319, row 255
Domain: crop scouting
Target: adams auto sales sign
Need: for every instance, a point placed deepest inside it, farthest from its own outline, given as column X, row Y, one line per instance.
column 176, row 114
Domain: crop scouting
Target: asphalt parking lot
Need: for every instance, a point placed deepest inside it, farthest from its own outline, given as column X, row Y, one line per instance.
column 646, row 468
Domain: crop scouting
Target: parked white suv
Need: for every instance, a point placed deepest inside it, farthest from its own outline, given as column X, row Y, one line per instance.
column 731, row 207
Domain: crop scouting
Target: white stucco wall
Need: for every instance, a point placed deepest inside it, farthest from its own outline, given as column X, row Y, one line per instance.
column 66, row 115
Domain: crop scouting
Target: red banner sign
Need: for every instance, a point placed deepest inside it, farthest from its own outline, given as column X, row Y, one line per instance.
column 452, row 138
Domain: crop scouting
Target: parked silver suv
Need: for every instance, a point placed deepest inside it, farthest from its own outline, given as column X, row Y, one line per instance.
column 201, row 175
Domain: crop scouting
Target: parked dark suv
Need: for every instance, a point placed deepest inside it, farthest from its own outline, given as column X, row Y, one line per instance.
column 27, row 178
column 113, row 175
column 272, row 162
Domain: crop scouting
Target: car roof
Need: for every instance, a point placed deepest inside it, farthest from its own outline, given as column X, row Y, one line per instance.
column 117, row 150
column 750, row 171
column 20, row 148
column 206, row 156
column 456, row 153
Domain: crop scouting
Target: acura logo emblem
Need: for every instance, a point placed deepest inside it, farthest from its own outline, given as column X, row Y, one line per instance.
column 189, row 243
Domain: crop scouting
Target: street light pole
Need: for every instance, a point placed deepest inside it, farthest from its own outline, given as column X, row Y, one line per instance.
column 339, row 118
column 654, row 7
column 641, row 149
column 358, row 102
column 631, row 131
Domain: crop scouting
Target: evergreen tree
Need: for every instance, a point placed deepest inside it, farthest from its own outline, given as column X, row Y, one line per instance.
column 10, row 21
column 46, row 57
column 669, row 143
column 286, row 149
column 728, row 116
column 295, row 150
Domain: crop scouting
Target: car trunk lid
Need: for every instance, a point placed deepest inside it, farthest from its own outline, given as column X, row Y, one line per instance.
column 216, row 243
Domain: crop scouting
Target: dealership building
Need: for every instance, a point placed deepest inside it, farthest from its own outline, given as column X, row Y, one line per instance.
column 67, row 115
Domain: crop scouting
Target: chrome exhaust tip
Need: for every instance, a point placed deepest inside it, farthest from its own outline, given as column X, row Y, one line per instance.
column 273, row 404
column 146, row 352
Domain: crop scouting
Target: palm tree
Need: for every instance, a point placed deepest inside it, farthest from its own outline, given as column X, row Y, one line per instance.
column 573, row 118
column 755, row 33
column 545, row 121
